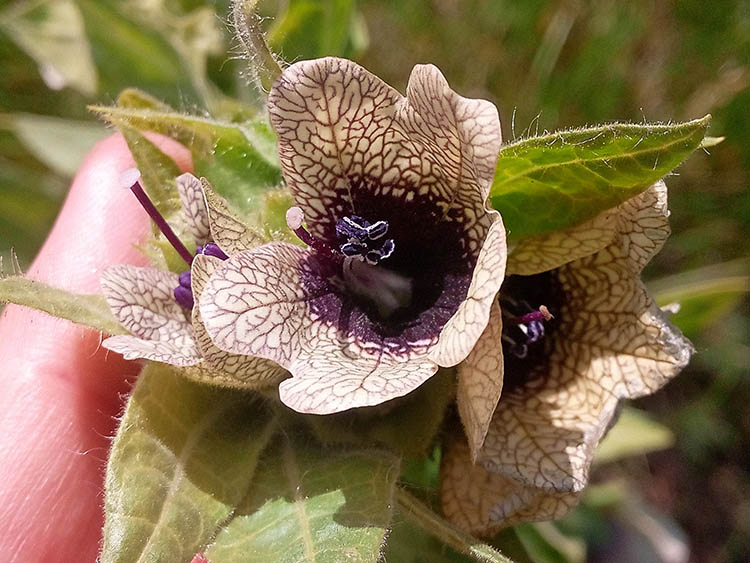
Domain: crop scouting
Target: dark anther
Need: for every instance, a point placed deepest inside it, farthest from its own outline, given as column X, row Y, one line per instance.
column 362, row 238
column 212, row 249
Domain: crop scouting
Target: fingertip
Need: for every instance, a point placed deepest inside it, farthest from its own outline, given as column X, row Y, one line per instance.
column 100, row 223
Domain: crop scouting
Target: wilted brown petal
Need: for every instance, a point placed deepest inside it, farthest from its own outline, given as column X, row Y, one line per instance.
column 482, row 502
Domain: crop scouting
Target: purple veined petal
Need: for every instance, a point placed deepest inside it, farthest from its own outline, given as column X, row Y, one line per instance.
column 377, row 230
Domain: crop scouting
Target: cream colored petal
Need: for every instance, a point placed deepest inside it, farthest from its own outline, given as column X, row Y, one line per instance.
column 218, row 366
column 549, row 251
column 325, row 380
column 227, row 231
column 142, row 299
column 612, row 343
column 482, row 502
column 194, row 207
column 536, row 254
column 256, row 304
column 480, row 382
column 345, row 136
column 180, row 351
column 644, row 225
column 464, row 328
column 463, row 135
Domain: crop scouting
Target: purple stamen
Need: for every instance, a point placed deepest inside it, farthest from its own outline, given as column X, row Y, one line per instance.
column 294, row 218
column 184, row 296
column 184, row 279
column 359, row 237
column 542, row 314
column 157, row 217
column 212, row 249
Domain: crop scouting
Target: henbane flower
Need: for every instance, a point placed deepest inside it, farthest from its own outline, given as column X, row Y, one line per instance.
column 564, row 379
column 404, row 259
column 158, row 307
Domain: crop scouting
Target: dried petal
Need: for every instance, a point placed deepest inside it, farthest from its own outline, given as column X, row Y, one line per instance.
column 482, row 502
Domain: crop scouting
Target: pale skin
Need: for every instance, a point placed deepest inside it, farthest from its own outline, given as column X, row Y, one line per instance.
column 60, row 391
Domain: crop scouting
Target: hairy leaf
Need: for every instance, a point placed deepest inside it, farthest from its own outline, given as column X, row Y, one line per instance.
column 240, row 161
column 88, row 310
column 182, row 461
column 547, row 183
column 309, row 504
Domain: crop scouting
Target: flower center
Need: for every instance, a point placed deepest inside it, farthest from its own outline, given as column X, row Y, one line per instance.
column 528, row 304
column 362, row 246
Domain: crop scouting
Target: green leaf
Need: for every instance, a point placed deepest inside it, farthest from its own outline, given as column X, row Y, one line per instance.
column 406, row 425
column 705, row 295
column 547, row 183
column 158, row 170
column 240, row 161
column 59, row 143
column 635, row 433
column 182, row 461
column 52, row 33
column 309, row 504
column 88, row 310
column 133, row 98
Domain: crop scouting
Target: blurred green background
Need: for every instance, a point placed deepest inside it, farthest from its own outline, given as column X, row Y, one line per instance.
column 546, row 65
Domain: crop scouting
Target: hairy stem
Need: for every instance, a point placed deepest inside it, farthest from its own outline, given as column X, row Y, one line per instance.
column 247, row 26
column 446, row 532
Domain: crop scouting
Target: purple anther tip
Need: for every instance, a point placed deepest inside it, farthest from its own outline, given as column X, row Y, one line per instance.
column 184, row 297
column 212, row 249
column 184, row 279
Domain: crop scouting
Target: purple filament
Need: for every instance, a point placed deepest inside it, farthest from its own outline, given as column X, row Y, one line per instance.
column 161, row 223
